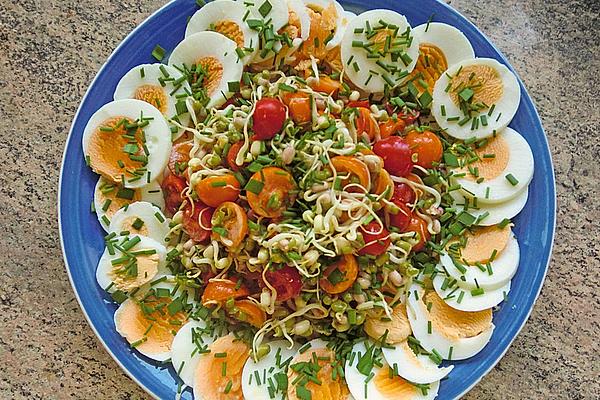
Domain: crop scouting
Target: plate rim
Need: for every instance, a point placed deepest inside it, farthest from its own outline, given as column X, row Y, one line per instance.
column 171, row 3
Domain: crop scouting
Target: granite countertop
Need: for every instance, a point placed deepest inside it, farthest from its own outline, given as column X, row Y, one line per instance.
column 51, row 49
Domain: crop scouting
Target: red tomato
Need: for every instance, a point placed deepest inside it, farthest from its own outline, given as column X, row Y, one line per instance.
column 172, row 186
column 419, row 225
column 403, row 193
column 396, row 154
column 401, row 220
column 376, row 238
column 286, row 281
column 359, row 103
column 190, row 221
column 269, row 117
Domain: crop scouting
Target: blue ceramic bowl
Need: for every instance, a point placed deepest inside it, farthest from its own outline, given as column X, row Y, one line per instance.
column 82, row 236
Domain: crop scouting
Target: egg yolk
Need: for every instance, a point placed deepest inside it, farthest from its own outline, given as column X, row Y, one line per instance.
column 430, row 66
column 484, row 80
column 128, row 226
column 231, row 30
column 492, row 162
column 453, row 323
column 322, row 369
column 148, row 324
column 393, row 387
column 293, row 26
column 147, row 268
column 214, row 73
column 107, row 193
column 398, row 328
column 219, row 373
column 483, row 242
column 107, row 149
column 322, row 24
column 152, row 94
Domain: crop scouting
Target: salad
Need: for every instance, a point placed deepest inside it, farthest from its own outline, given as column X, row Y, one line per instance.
column 305, row 203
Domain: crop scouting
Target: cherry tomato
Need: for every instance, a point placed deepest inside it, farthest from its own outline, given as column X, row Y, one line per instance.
column 197, row 232
column 427, row 146
column 384, row 184
column 419, row 225
column 359, row 103
column 286, row 281
column 172, row 186
column 326, row 85
column 232, row 155
column 404, row 193
column 376, row 238
column 334, row 282
column 269, row 117
column 390, row 128
column 357, row 170
column 218, row 189
column 232, row 221
column 396, row 154
column 217, row 291
column 248, row 311
column 365, row 123
column 299, row 106
column 180, row 155
column 401, row 219
column 275, row 195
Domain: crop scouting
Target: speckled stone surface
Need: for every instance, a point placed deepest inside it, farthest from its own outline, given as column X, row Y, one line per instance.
column 49, row 53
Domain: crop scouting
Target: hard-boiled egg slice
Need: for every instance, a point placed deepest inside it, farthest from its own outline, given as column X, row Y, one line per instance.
column 504, row 169
column 109, row 197
column 395, row 329
column 462, row 298
column 141, row 218
column 490, row 214
column 189, row 345
column 150, row 320
column 228, row 18
column 299, row 18
column 412, row 367
column 452, row 334
column 160, row 85
column 260, row 379
column 332, row 384
column 383, row 384
column 475, row 98
column 340, row 17
column 215, row 55
column 441, row 45
column 127, row 141
column 489, row 259
column 220, row 372
column 393, row 48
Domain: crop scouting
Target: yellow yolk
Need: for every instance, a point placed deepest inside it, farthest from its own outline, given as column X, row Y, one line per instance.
column 106, row 149
column 482, row 243
column 398, row 329
column 231, row 30
column 334, row 59
column 453, row 323
column 209, row 372
column 393, row 387
column 430, row 66
column 322, row 24
column 152, row 94
column 151, row 330
column 147, row 268
column 489, row 167
column 293, row 26
column 329, row 389
column 484, row 80
column 214, row 71
column 128, row 226
column 116, row 203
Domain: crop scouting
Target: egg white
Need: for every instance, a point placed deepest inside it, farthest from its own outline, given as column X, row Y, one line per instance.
column 412, row 367
column 496, row 213
column 298, row 7
column 156, row 224
column 450, row 40
column 504, row 111
column 184, row 352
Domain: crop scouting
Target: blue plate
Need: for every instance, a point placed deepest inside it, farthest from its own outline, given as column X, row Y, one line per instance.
column 82, row 236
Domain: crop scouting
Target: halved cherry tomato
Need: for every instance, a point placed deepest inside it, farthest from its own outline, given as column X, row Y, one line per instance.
column 358, row 171
column 232, row 155
column 401, row 219
column 404, row 193
column 197, row 223
column 248, row 311
column 427, row 146
column 364, row 123
column 299, row 105
column 391, row 127
column 359, row 103
column 232, row 223
column 377, row 239
column 172, row 186
column 268, row 118
column 180, row 156
column 384, row 184
column 275, row 196
column 286, row 281
column 214, row 190
column 419, row 225
column 340, row 276
column 326, row 85
column 217, row 291
column 396, row 154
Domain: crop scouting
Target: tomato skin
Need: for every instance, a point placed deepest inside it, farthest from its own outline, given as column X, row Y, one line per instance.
column 180, row 154
column 356, row 168
column 359, row 103
column 390, row 128
column 299, row 106
column 220, row 290
column 401, row 220
column 286, row 281
column 348, row 266
column 396, row 154
column 268, row 118
column 380, row 241
column 190, row 221
column 172, row 186
column 326, row 85
column 232, row 155
column 231, row 217
column 277, row 182
column 250, row 312
column 364, row 123
column 404, row 193
column 419, row 225
column 427, row 146
column 215, row 190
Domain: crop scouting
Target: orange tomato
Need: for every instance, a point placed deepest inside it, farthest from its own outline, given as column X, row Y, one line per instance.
column 299, row 107
column 217, row 291
column 359, row 173
column 277, row 192
column 384, row 182
column 364, row 123
column 326, row 85
column 250, row 312
column 337, row 282
column 427, row 146
column 391, row 127
column 180, row 156
column 215, row 190
column 232, row 155
column 229, row 224
column 419, row 225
